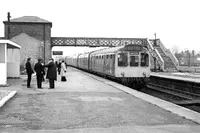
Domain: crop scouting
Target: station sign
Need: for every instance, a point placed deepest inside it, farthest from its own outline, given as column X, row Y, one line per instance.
column 57, row 52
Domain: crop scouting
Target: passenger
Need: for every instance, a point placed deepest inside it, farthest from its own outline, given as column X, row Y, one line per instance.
column 39, row 69
column 44, row 71
column 63, row 71
column 29, row 72
column 51, row 73
column 66, row 64
column 59, row 67
column 56, row 62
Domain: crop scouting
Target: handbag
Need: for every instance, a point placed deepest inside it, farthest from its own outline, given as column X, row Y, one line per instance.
column 63, row 78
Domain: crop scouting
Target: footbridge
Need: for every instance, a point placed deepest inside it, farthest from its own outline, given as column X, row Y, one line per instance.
column 162, row 59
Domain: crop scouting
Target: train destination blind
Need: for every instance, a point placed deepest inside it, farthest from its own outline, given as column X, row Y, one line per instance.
column 133, row 48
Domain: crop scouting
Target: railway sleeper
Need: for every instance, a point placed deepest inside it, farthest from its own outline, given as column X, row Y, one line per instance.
column 166, row 90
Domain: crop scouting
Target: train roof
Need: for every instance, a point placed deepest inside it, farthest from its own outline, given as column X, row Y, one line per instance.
column 111, row 50
column 107, row 50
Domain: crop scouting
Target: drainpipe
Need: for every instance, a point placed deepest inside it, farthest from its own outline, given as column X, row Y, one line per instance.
column 44, row 41
column 8, row 37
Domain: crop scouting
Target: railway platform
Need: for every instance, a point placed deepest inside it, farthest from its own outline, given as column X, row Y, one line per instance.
column 90, row 104
column 182, row 76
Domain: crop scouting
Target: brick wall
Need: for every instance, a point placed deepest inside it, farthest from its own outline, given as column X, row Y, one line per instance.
column 30, row 47
column 40, row 31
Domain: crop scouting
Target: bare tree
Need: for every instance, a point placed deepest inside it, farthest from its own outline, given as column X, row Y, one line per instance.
column 175, row 49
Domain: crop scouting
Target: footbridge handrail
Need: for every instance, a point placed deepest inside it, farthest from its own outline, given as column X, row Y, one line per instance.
column 154, row 53
column 168, row 53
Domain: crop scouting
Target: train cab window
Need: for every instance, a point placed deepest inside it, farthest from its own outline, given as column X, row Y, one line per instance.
column 107, row 56
column 122, row 59
column 144, row 60
column 134, row 60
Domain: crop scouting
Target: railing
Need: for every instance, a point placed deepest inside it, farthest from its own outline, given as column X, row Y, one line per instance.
column 170, row 54
column 155, row 54
column 95, row 42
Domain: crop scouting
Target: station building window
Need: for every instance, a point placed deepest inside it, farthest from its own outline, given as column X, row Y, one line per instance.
column 122, row 59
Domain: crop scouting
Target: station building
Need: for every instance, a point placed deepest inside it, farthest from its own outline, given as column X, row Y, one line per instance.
column 33, row 34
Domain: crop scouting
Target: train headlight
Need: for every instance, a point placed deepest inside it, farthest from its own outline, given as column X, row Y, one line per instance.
column 144, row 74
column 122, row 73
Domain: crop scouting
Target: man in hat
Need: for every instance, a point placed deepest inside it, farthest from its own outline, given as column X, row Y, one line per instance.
column 29, row 72
column 51, row 73
column 39, row 69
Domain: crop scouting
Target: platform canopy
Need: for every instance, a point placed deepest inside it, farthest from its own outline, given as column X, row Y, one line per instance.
column 10, row 44
column 9, row 60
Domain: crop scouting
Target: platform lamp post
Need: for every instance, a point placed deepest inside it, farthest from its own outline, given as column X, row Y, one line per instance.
column 8, row 34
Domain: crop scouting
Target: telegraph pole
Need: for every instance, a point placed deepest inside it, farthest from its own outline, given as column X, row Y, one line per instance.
column 8, row 34
column 155, row 40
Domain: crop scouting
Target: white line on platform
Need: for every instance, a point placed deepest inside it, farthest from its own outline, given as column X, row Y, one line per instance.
column 6, row 98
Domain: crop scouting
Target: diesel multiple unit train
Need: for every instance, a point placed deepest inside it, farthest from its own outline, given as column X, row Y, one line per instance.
column 128, row 64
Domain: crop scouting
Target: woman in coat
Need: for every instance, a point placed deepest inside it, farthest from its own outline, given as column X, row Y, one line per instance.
column 63, row 71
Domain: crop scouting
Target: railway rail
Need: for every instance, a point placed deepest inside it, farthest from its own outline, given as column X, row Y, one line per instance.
column 178, row 92
column 174, row 92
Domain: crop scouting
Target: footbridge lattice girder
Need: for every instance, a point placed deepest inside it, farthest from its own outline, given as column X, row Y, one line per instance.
column 95, row 42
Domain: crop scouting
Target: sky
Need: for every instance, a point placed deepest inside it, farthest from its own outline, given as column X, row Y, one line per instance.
column 175, row 22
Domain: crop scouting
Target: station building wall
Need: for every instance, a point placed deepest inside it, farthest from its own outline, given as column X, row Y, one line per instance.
column 39, row 31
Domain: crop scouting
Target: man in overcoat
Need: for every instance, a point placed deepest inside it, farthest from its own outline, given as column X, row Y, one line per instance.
column 29, row 72
column 39, row 69
column 51, row 73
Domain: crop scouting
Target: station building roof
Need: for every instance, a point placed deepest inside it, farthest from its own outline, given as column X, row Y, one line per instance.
column 28, row 19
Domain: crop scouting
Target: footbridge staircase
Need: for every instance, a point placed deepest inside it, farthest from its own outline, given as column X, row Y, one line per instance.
column 163, row 58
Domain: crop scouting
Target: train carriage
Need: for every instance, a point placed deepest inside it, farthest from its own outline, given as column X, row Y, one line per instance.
column 129, row 64
column 123, row 61
column 82, row 61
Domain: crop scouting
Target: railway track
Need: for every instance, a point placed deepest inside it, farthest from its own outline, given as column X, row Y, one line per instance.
column 174, row 92
column 179, row 97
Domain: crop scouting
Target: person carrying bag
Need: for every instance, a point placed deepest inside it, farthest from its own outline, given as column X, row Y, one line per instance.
column 63, row 71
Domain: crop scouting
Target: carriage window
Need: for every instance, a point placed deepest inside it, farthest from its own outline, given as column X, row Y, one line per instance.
column 144, row 59
column 122, row 59
column 134, row 60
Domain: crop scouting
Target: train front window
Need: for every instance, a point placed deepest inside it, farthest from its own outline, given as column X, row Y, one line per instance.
column 122, row 59
column 144, row 60
column 134, row 60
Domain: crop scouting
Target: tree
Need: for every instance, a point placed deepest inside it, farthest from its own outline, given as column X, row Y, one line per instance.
column 175, row 49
